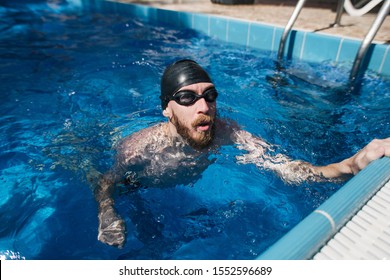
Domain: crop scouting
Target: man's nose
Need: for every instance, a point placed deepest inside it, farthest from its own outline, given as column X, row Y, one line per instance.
column 202, row 106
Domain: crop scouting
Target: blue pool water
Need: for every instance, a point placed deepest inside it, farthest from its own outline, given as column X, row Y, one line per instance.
column 74, row 82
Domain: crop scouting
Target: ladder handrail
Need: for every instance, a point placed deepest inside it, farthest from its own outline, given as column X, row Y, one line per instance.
column 383, row 12
column 288, row 27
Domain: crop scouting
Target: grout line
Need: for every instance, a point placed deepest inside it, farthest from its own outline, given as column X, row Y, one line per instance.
column 208, row 25
column 248, row 35
column 273, row 39
column 303, row 45
column 339, row 49
column 227, row 30
column 383, row 60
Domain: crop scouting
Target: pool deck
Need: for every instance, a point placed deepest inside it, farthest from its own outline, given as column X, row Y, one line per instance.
column 316, row 15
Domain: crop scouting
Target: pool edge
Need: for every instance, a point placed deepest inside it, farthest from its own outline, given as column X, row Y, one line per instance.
column 300, row 45
column 307, row 238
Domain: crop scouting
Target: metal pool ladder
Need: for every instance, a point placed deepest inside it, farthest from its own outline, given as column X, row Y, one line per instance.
column 383, row 12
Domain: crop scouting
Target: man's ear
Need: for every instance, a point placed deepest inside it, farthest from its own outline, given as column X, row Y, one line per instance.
column 167, row 112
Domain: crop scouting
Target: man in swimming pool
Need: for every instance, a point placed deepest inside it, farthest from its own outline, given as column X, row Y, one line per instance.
column 188, row 99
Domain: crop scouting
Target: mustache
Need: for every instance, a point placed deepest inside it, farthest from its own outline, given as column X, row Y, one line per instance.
column 203, row 119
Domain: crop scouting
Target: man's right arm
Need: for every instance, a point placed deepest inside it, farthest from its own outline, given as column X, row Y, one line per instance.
column 111, row 230
column 111, row 225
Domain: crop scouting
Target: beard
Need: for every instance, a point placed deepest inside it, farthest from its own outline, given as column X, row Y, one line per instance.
column 195, row 138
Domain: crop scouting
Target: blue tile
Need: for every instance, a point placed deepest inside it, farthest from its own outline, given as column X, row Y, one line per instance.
column 319, row 47
column 142, row 12
column 386, row 69
column 218, row 28
column 107, row 7
column 186, row 20
column 138, row 11
column 278, row 32
column 313, row 47
column 261, row 37
column 385, row 64
column 238, row 32
column 348, row 50
column 376, row 53
column 201, row 23
column 168, row 17
column 116, row 7
column 294, row 45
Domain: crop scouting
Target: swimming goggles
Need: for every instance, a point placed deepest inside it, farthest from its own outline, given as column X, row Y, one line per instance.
column 189, row 97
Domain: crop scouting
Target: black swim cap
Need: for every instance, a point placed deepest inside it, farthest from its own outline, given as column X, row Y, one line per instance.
column 179, row 74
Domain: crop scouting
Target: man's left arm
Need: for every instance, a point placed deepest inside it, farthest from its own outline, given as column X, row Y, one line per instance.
column 297, row 171
column 376, row 149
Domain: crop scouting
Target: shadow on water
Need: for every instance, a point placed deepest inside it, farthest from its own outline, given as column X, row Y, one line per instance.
column 339, row 93
column 342, row 92
column 317, row 108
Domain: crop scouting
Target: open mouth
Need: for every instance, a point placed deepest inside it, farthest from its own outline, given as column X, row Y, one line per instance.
column 204, row 126
column 203, row 123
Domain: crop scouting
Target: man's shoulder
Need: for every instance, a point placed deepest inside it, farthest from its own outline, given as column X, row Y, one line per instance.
column 142, row 137
column 148, row 131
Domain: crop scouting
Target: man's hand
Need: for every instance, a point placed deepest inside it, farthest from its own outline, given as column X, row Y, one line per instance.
column 376, row 149
column 351, row 166
column 111, row 227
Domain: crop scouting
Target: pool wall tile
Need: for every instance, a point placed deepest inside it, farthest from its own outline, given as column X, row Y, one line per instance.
column 327, row 46
column 201, row 23
column 384, row 66
column 186, row 20
column 276, row 39
column 259, row 37
column 168, row 17
column 218, row 28
column 142, row 12
column 294, row 45
column 300, row 45
column 376, row 55
column 238, row 32
column 348, row 50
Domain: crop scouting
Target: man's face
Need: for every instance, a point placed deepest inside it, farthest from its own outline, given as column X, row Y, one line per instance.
column 196, row 122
